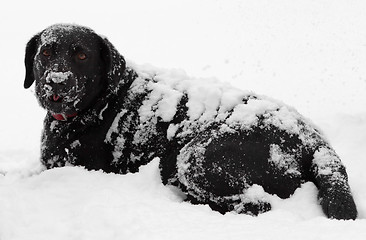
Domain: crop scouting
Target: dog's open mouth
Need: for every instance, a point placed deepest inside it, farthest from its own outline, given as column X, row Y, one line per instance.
column 55, row 98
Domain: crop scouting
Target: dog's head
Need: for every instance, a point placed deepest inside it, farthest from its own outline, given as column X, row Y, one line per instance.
column 72, row 67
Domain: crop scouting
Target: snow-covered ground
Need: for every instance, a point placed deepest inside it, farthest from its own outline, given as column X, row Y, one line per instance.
column 310, row 54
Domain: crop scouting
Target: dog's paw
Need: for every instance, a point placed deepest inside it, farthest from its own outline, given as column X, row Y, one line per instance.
column 338, row 204
column 252, row 208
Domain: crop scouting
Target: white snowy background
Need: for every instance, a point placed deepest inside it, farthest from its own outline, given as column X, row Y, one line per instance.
column 311, row 54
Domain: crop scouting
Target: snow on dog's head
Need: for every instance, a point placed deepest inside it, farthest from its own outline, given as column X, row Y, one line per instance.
column 71, row 66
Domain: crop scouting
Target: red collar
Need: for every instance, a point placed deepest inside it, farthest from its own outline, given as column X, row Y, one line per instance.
column 63, row 117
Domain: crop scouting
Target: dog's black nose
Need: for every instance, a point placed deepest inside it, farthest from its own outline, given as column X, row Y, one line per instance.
column 58, row 77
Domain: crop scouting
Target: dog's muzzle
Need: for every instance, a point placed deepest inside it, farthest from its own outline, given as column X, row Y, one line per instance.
column 58, row 77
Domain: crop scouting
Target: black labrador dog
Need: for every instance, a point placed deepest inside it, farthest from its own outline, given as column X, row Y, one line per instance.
column 214, row 142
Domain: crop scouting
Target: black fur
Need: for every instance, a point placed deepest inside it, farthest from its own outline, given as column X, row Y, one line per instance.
column 113, row 121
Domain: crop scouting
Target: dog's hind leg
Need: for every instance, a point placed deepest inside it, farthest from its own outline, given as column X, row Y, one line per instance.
column 250, row 202
column 221, row 170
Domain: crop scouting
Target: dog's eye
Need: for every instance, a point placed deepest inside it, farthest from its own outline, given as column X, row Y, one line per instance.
column 46, row 52
column 81, row 56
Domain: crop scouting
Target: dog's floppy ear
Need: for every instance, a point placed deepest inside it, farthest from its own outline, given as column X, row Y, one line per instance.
column 30, row 52
column 114, row 63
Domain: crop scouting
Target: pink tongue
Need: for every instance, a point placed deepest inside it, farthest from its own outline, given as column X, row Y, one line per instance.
column 55, row 97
